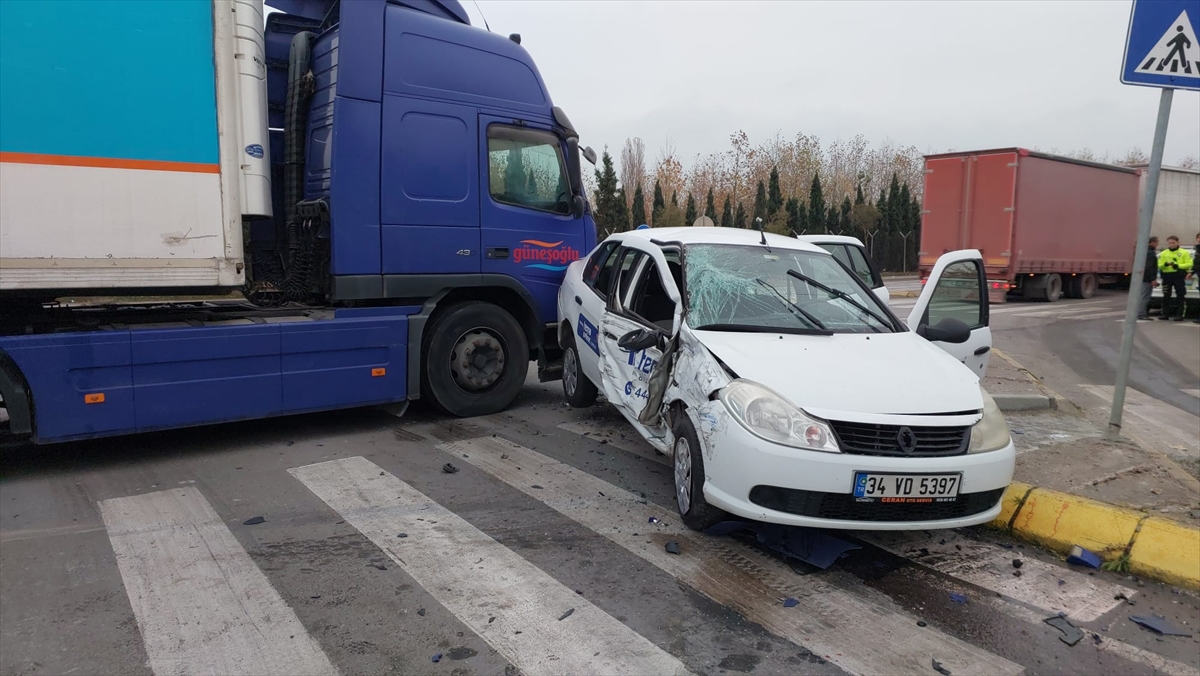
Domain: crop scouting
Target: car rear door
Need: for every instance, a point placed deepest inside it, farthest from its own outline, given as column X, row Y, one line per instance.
column 584, row 306
column 957, row 289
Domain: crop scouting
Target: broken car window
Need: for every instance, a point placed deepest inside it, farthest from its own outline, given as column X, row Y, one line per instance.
column 749, row 286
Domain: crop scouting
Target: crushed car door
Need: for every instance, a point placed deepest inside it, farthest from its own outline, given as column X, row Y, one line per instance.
column 639, row 323
column 956, row 291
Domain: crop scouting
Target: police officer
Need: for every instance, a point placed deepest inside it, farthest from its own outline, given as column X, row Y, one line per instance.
column 1174, row 264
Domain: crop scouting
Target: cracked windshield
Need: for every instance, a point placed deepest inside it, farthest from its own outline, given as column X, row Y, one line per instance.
column 754, row 288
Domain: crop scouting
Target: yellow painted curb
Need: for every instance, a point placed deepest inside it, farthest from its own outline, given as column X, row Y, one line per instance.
column 1157, row 548
column 1167, row 551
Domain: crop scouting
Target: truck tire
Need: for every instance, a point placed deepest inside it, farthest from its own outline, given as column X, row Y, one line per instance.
column 1054, row 288
column 1086, row 285
column 579, row 391
column 476, row 359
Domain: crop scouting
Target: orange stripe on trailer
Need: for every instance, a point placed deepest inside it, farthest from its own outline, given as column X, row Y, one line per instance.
column 375, row 373
column 94, row 398
column 108, row 163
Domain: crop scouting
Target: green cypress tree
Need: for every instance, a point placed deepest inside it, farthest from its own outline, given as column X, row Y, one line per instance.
column 793, row 215
column 607, row 214
column 831, row 220
column 774, row 193
column 844, row 216
column 621, row 219
column 858, row 195
column 801, row 218
column 816, row 206
column 710, row 207
column 659, row 204
column 897, row 208
column 739, row 220
column 906, row 223
column 689, row 214
column 882, row 205
column 637, row 215
column 726, row 214
column 760, row 202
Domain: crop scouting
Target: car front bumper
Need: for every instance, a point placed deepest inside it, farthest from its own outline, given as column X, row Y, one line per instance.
column 760, row 480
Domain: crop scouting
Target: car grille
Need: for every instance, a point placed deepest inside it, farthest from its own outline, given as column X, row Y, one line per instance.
column 871, row 439
column 845, row 507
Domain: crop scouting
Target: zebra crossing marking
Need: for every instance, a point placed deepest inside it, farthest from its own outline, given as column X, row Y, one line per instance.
column 201, row 604
column 520, row 610
column 857, row 635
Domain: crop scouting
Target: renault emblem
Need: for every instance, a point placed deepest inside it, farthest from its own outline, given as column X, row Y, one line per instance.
column 906, row 439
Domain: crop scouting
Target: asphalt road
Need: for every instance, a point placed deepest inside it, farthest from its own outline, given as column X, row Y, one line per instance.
column 142, row 555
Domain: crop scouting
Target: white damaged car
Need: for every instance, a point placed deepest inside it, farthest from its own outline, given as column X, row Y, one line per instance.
column 782, row 387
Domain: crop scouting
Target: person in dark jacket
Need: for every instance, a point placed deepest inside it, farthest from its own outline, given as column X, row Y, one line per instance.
column 1149, row 279
column 1192, row 274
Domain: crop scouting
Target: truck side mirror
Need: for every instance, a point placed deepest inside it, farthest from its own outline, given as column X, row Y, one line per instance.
column 574, row 173
column 589, row 155
column 578, row 206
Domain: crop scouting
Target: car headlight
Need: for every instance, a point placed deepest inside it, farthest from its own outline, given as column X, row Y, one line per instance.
column 769, row 416
column 991, row 433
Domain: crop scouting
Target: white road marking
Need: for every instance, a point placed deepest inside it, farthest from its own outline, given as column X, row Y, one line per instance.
column 1081, row 597
column 855, row 634
column 478, row 579
column 1093, row 315
column 1194, row 393
column 609, row 433
column 201, row 604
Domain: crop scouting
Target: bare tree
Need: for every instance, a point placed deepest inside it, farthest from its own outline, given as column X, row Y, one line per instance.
column 633, row 167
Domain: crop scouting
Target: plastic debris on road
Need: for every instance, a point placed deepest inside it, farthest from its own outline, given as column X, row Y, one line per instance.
column 810, row 545
column 1159, row 625
column 253, row 521
column 1082, row 557
column 449, row 469
column 435, row 658
column 937, row 666
column 672, row 547
column 790, row 602
column 959, row 599
column 1071, row 633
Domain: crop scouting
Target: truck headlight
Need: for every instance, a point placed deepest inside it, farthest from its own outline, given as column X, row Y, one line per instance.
column 990, row 433
column 769, row 416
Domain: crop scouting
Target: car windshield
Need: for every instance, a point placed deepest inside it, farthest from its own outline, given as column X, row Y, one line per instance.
column 754, row 288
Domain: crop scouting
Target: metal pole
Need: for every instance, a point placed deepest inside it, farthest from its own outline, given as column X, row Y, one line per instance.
column 1145, row 216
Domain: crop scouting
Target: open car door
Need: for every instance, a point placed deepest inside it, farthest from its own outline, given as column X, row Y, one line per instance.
column 952, row 311
column 637, row 334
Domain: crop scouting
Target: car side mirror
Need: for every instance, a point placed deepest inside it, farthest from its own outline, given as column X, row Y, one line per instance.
column 578, row 206
column 636, row 341
column 949, row 330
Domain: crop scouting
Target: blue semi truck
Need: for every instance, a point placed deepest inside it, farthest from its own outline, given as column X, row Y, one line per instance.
column 209, row 213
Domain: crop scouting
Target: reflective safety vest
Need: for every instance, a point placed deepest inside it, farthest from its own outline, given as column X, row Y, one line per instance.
column 1178, row 260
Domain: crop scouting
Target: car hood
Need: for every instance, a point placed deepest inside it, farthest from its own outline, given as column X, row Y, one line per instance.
column 844, row 376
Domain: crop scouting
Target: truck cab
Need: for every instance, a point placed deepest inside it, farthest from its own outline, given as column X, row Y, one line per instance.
column 390, row 198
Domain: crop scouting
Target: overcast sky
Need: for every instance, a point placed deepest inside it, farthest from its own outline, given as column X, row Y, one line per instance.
column 938, row 75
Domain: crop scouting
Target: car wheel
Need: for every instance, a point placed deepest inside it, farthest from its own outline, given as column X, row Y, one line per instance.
column 476, row 359
column 579, row 391
column 688, row 461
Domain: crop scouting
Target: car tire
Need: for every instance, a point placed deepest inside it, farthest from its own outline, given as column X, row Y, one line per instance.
column 688, row 464
column 579, row 391
column 502, row 349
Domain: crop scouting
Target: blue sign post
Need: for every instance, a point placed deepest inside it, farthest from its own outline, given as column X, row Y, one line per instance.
column 1161, row 50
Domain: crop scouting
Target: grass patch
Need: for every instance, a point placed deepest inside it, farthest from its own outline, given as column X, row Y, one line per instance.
column 1117, row 565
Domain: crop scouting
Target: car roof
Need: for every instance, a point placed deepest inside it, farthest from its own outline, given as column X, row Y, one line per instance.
column 693, row 235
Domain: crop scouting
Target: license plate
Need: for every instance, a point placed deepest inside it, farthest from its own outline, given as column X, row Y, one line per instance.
column 906, row 487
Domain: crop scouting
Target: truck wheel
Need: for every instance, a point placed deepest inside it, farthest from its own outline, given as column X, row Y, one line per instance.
column 476, row 359
column 1054, row 288
column 1086, row 285
column 580, row 391
column 688, row 462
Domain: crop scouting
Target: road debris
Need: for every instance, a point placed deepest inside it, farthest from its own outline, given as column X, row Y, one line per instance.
column 1159, row 625
column 809, row 545
column 959, row 599
column 378, row 565
column 790, row 602
column 672, row 547
column 566, row 615
column 937, row 666
column 253, row 521
column 401, row 535
column 654, row 520
column 1082, row 557
column 922, row 623
column 1071, row 633
column 436, row 658
column 1017, row 563
column 449, row 469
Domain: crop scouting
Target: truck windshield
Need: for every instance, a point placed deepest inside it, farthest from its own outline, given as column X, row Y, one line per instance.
column 754, row 288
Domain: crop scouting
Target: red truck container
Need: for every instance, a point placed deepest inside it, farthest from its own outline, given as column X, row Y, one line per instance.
column 1047, row 226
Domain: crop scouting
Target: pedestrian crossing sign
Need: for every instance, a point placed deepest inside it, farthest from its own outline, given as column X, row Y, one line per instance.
column 1161, row 48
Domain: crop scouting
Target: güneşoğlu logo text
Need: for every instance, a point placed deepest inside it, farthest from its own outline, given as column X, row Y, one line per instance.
column 551, row 256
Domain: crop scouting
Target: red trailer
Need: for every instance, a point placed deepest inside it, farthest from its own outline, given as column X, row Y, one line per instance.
column 1047, row 226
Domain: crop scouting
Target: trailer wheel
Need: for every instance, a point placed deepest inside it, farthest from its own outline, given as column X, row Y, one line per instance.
column 1054, row 287
column 1086, row 285
column 476, row 359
